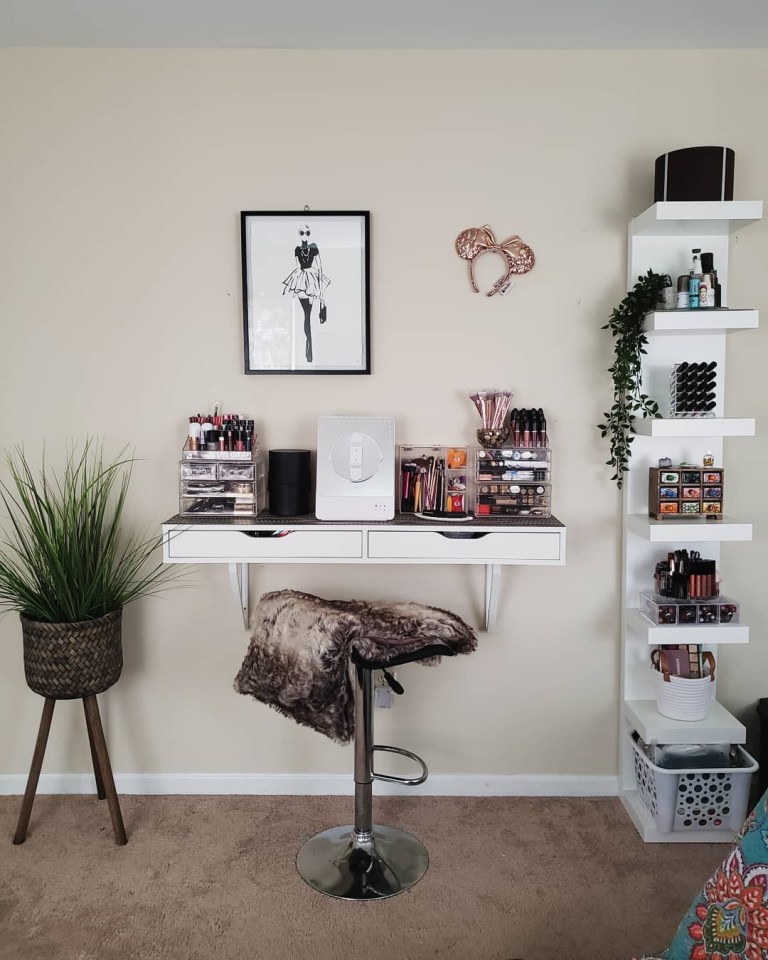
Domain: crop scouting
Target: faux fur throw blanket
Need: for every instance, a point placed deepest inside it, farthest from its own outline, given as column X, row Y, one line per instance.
column 298, row 657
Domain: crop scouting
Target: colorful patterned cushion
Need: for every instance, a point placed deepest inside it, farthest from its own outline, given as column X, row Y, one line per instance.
column 728, row 920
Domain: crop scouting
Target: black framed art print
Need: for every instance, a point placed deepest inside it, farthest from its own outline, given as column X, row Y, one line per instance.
column 306, row 291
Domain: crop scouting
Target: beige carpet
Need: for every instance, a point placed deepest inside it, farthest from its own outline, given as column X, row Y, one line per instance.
column 214, row 877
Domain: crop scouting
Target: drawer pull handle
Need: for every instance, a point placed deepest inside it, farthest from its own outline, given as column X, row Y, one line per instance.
column 462, row 534
column 258, row 534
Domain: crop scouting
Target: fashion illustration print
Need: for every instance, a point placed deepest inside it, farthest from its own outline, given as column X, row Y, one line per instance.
column 307, row 283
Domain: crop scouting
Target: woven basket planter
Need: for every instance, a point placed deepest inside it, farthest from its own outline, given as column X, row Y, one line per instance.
column 65, row 661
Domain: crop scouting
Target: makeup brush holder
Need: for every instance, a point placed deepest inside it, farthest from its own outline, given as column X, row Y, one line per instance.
column 492, row 438
column 434, row 478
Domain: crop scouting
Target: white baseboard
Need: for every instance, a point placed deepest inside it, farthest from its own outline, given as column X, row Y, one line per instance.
column 331, row 784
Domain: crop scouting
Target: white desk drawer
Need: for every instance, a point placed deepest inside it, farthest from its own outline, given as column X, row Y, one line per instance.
column 211, row 545
column 497, row 546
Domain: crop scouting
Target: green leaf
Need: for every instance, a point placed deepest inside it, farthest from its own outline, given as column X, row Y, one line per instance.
column 629, row 341
column 66, row 556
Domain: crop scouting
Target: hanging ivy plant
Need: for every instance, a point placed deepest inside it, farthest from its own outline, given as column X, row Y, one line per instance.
column 626, row 326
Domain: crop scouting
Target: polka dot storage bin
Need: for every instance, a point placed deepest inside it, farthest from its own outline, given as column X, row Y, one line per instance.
column 690, row 800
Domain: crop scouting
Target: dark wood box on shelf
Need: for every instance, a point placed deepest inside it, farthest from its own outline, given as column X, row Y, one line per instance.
column 676, row 493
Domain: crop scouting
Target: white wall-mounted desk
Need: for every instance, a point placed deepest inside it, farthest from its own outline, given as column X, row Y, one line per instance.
column 239, row 541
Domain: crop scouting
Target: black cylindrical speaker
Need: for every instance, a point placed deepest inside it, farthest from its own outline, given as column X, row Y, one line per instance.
column 290, row 482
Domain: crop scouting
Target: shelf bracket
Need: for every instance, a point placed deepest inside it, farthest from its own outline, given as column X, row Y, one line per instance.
column 239, row 581
column 492, row 585
column 238, row 578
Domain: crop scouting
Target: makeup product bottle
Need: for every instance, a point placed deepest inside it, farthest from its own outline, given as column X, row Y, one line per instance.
column 706, row 291
column 714, row 291
column 695, row 280
column 194, row 433
column 683, row 292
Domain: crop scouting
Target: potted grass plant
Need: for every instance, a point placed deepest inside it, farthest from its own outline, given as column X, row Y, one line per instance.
column 68, row 567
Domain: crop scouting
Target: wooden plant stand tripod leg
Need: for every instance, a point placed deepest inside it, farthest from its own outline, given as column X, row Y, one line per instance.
column 100, row 792
column 105, row 784
column 34, row 771
column 96, row 733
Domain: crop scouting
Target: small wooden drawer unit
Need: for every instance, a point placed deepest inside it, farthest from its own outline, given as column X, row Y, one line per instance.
column 675, row 493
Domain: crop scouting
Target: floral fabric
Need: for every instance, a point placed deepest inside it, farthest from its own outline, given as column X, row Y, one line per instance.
column 728, row 920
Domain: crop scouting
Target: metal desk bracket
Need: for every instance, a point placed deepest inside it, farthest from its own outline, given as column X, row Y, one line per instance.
column 492, row 586
column 238, row 578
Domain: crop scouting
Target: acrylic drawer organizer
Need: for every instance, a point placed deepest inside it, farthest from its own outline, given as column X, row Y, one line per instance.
column 434, row 478
column 243, row 456
column 692, row 389
column 663, row 611
column 691, row 800
column 231, row 487
column 685, row 491
column 512, row 482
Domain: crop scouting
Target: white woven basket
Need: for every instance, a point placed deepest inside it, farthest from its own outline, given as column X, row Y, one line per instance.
column 681, row 698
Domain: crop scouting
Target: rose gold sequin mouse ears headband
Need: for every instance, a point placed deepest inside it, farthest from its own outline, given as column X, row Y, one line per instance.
column 518, row 256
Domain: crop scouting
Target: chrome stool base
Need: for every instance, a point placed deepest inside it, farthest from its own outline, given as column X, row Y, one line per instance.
column 349, row 865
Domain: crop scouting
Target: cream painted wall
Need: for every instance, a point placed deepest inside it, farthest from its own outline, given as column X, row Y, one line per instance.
column 123, row 174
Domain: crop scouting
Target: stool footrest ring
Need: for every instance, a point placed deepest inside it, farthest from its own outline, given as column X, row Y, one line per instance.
column 411, row 782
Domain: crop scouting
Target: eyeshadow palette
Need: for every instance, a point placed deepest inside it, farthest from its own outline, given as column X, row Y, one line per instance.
column 685, row 491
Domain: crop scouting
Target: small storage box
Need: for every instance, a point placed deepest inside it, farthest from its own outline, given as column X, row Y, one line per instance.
column 691, row 800
column 665, row 610
column 222, row 488
column 197, row 471
column 188, row 453
column 685, row 491
column 217, row 506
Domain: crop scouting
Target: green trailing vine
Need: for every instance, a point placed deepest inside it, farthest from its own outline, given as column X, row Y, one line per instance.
column 626, row 326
